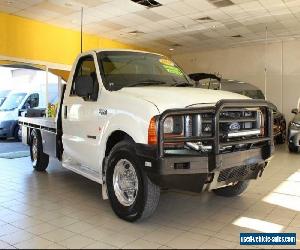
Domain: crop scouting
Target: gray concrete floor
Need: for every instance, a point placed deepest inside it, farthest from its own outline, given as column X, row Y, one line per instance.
column 10, row 145
column 60, row 209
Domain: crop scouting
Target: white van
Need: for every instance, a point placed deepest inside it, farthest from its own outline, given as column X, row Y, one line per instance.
column 15, row 103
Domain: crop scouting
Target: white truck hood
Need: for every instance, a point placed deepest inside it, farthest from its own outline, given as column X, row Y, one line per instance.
column 179, row 97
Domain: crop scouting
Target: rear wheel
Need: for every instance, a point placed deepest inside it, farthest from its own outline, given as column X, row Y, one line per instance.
column 233, row 190
column 132, row 194
column 39, row 159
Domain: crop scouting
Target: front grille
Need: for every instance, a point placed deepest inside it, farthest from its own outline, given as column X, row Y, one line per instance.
column 230, row 122
column 239, row 173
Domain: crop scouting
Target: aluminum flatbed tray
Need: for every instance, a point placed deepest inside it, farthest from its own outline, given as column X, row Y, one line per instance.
column 42, row 123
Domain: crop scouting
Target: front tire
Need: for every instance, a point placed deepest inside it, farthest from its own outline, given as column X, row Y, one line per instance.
column 280, row 139
column 234, row 190
column 293, row 149
column 131, row 193
column 39, row 159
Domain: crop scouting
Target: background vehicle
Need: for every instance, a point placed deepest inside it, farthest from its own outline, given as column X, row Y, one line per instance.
column 294, row 132
column 133, row 122
column 3, row 95
column 211, row 81
column 16, row 103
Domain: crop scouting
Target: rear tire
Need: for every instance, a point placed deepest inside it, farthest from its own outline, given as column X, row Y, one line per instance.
column 123, row 169
column 39, row 159
column 233, row 190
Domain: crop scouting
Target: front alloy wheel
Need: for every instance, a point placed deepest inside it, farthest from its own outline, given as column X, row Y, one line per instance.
column 133, row 196
column 125, row 182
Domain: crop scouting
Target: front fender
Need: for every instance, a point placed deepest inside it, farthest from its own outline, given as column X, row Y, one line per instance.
column 128, row 114
column 133, row 126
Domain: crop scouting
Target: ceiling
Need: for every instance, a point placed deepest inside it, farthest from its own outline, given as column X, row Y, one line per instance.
column 182, row 25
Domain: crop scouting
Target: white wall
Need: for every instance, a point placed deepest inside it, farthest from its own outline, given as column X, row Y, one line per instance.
column 282, row 61
column 5, row 78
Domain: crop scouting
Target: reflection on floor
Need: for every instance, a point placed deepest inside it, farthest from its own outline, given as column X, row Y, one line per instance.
column 60, row 209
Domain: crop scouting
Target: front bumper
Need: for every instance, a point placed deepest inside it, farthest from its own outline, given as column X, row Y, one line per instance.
column 191, row 172
column 226, row 161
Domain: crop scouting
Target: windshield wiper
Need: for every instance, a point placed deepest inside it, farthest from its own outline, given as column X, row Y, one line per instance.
column 183, row 84
column 147, row 83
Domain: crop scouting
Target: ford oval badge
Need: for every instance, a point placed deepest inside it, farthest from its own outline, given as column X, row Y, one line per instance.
column 234, row 126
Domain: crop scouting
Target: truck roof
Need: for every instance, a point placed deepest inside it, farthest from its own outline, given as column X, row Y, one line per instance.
column 129, row 50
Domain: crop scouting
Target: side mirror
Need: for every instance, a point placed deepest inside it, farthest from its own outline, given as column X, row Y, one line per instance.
column 22, row 111
column 295, row 111
column 84, row 86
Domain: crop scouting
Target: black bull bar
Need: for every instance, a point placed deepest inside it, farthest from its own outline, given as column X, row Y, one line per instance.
column 214, row 139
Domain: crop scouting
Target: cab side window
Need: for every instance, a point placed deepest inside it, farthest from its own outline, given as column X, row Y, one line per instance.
column 32, row 101
column 85, row 67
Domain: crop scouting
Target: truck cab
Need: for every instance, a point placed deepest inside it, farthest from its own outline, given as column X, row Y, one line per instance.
column 134, row 122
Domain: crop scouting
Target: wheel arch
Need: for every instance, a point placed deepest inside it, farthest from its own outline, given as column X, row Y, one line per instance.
column 114, row 138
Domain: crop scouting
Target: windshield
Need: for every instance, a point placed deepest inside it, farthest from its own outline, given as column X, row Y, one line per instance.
column 12, row 101
column 121, row 69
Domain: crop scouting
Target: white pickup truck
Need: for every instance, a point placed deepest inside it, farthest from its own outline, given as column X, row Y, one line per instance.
column 134, row 122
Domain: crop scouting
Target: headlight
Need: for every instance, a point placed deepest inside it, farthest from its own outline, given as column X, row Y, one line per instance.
column 294, row 124
column 169, row 125
column 173, row 125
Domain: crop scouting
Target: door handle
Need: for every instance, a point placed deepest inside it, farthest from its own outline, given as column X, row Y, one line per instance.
column 91, row 137
column 65, row 112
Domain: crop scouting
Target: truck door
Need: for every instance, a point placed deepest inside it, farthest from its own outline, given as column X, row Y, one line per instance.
column 81, row 122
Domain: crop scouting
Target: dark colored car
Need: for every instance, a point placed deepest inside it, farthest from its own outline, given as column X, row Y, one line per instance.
column 294, row 132
column 3, row 95
column 211, row 81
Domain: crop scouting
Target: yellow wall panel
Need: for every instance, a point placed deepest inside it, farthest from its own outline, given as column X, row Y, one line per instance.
column 28, row 39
